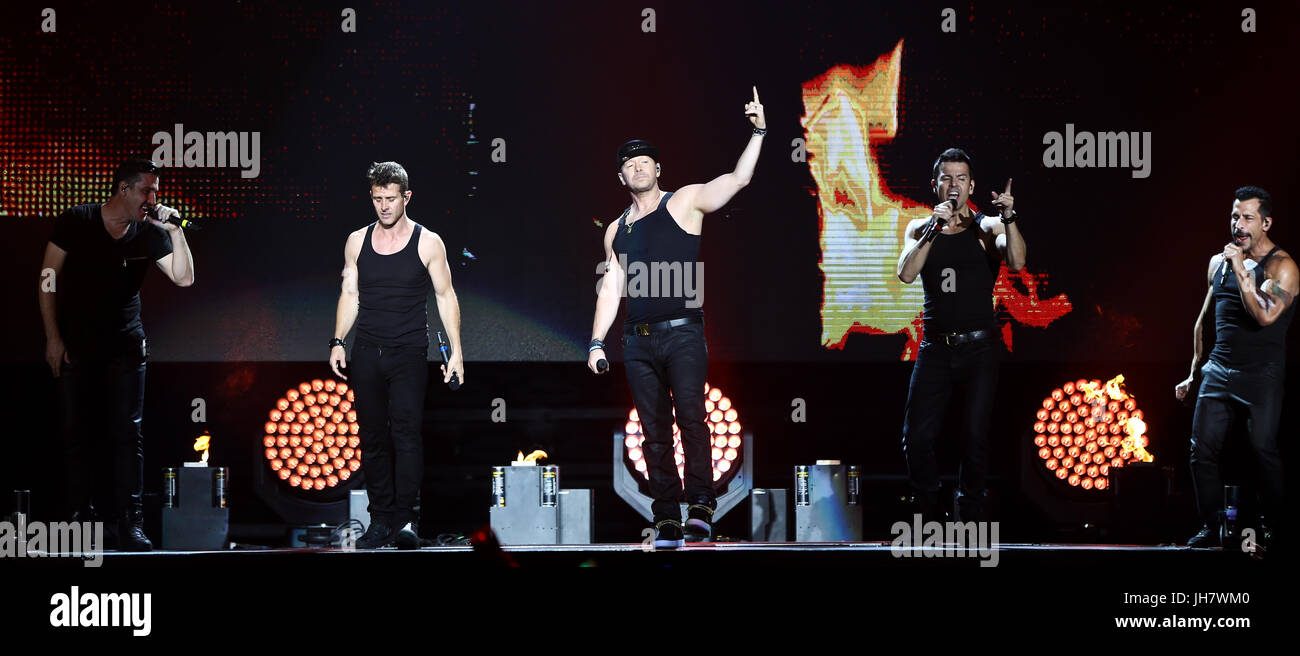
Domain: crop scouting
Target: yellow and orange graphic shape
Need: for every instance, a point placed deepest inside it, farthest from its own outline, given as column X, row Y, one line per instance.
column 848, row 112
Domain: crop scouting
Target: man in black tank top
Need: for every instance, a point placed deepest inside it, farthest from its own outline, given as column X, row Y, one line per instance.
column 1252, row 285
column 652, row 257
column 957, row 253
column 388, row 269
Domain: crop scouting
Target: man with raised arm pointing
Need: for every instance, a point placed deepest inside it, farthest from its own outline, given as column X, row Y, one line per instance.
column 957, row 253
column 663, row 334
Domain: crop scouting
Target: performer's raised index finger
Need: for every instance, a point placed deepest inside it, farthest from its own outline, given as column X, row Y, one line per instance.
column 755, row 94
column 1008, row 186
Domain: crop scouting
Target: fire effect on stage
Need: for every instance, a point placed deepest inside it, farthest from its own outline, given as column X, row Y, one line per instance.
column 848, row 112
column 1084, row 429
column 312, row 437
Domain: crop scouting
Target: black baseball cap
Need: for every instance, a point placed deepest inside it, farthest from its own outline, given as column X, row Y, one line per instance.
column 637, row 148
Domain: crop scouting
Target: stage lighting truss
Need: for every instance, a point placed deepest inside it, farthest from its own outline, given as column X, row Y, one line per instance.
column 312, row 439
column 1083, row 429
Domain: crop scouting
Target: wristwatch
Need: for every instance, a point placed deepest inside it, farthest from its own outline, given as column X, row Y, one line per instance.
column 337, row 342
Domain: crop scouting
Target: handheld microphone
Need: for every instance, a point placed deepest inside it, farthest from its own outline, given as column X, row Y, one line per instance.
column 442, row 349
column 184, row 223
column 602, row 365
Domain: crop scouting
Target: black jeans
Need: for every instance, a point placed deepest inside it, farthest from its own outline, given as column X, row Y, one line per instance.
column 390, row 383
column 102, row 396
column 666, row 371
column 971, row 369
column 1225, row 393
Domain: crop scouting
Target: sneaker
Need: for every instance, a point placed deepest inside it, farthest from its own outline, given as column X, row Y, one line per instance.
column 699, row 523
column 668, row 534
column 130, row 533
column 407, row 537
column 377, row 536
column 1206, row 538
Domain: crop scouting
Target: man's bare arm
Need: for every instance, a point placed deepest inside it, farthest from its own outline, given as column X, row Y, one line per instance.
column 1198, row 342
column 51, row 268
column 711, row 196
column 1274, row 296
column 608, row 296
column 349, row 300
column 914, row 252
column 448, row 305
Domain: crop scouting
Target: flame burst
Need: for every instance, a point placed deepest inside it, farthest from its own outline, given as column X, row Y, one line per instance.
column 1086, row 428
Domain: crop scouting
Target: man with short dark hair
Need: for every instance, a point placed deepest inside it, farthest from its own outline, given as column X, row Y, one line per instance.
column 957, row 253
column 1252, row 288
column 388, row 269
column 663, row 334
column 95, row 344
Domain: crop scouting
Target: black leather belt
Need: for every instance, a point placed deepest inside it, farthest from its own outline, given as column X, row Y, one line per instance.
column 660, row 326
column 957, row 339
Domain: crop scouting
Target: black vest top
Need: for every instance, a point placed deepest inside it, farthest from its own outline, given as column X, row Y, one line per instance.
column 661, row 262
column 394, row 292
column 1239, row 341
column 958, row 277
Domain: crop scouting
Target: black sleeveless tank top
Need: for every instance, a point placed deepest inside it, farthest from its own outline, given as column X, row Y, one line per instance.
column 958, row 278
column 394, row 292
column 661, row 262
column 1239, row 341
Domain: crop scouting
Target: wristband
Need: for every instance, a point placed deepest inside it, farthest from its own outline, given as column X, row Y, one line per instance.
column 338, row 342
column 595, row 345
column 1008, row 220
column 758, row 132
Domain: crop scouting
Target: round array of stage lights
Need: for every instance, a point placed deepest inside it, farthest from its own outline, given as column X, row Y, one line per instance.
column 723, row 423
column 1085, row 428
column 312, row 438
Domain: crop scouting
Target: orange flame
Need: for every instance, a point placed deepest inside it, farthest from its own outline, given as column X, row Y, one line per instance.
column 530, row 459
column 201, row 444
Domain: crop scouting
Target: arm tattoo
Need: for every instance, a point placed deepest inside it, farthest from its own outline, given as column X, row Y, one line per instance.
column 1281, row 295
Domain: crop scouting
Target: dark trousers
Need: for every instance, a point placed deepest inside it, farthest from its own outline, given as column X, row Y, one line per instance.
column 972, row 370
column 103, row 402
column 1226, row 395
column 390, row 385
column 666, row 371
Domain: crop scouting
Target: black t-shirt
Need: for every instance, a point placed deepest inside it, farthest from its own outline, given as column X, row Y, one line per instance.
column 98, row 292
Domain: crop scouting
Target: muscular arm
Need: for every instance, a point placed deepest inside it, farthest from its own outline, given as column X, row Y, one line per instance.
column 350, row 297
column 711, row 196
column 1207, row 307
column 914, row 253
column 178, row 265
column 1010, row 243
column 610, row 291
column 444, row 293
column 1270, row 300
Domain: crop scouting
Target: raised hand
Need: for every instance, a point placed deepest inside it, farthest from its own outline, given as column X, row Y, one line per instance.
column 1004, row 201
column 754, row 110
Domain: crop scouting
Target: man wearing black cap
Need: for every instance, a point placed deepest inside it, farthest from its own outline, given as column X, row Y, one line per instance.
column 656, row 239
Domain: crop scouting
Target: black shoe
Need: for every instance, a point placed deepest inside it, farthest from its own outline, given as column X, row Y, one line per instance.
column 407, row 537
column 699, row 523
column 377, row 536
column 130, row 533
column 1206, row 538
column 668, row 534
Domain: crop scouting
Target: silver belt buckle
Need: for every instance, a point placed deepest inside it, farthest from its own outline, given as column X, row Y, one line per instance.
column 947, row 339
column 643, row 329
